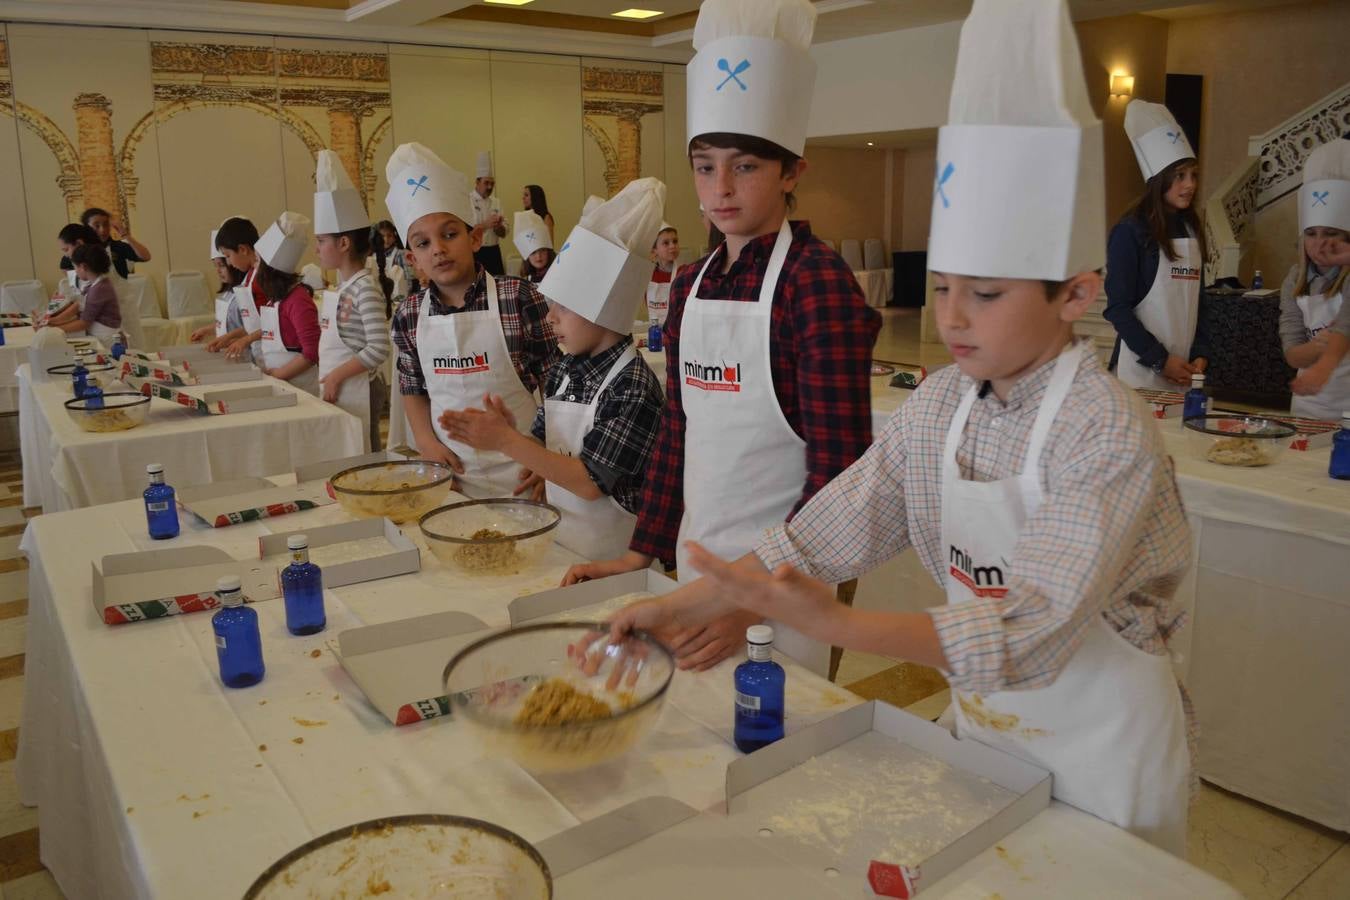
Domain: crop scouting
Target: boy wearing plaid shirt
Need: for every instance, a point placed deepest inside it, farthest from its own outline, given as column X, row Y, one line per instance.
column 591, row 440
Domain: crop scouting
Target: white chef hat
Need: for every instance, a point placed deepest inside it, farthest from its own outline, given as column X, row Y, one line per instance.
column 1324, row 198
column 530, row 233
column 752, row 73
column 284, row 242
column 483, row 169
column 1157, row 139
column 337, row 205
column 1019, row 191
column 602, row 269
column 591, row 205
column 216, row 252
column 421, row 184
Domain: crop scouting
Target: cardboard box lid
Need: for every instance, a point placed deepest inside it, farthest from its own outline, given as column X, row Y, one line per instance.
column 587, row 593
column 326, row 469
column 248, row 399
column 399, row 665
column 238, row 500
column 132, row 579
column 402, row 557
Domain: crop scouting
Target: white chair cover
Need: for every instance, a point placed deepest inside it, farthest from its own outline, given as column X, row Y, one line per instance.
column 874, row 254
column 188, row 294
column 852, row 253
column 131, row 298
column 142, row 294
column 22, row 296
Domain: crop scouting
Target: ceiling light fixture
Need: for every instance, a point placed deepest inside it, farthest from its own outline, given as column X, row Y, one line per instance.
column 637, row 13
column 508, row 2
column 870, row 144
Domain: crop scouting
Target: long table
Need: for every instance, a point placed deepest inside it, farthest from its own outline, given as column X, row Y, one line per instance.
column 13, row 354
column 67, row 468
column 151, row 780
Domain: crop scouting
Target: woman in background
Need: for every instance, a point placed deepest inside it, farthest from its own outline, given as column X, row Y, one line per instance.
column 533, row 199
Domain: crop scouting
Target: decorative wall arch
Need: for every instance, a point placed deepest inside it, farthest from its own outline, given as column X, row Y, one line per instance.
column 67, row 157
column 368, row 176
column 607, row 149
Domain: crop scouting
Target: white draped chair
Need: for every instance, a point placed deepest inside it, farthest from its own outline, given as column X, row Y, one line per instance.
column 188, row 294
column 851, row 251
column 874, row 254
column 22, row 296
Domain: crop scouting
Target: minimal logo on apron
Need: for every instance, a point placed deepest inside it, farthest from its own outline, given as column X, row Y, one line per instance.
column 1186, row 273
column 982, row 581
column 732, row 74
column 712, row 378
column 269, row 335
column 460, row 365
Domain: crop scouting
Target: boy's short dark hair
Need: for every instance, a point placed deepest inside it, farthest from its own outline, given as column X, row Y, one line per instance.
column 234, row 232
column 746, row 143
column 93, row 257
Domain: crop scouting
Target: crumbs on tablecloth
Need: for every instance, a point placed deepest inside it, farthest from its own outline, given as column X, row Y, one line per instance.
column 262, row 747
column 130, row 810
column 316, row 653
column 307, row 723
column 297, row 740
column 262, row 702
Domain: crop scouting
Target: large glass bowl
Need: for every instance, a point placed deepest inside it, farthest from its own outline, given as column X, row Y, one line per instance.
column 1237, row 440
column 117, row 411
column 410, row 856
column 498, row 536
column 399, row 491
column 496, row 679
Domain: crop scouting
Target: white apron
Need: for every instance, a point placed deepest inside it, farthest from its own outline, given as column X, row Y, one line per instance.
column 744, row 466
column 1110, row 728
column 1319, row 312
column 595, row 529
column 275, row 353
column 658, row 301
column 464, row 356
column 354, row 395
column 248, row 310
column 222, row 315
column 1169, row 311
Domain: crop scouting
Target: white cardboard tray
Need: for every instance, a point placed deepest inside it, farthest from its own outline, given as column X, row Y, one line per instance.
column 224, row 503
column 130, row 587
column 402, row 559
column 587, row 593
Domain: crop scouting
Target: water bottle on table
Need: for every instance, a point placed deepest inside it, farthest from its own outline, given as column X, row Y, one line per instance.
column 654, row 337
column 1257, row 281
column 759, row 693
column 79, row 377
column 302, row 588
column 238, row 643
column 1196, row 401
column 1340, row 450
column 161, row 508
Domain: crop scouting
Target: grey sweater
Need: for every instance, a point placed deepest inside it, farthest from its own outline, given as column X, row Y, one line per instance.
column 1293, row 330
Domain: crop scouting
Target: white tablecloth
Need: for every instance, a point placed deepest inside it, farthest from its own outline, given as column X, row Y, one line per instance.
column 160, row 332
column 66, row 468
column 152, row 780
column 12, row 355
column 876, row 285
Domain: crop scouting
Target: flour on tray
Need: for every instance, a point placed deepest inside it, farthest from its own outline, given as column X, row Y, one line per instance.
column 599, row 611
column 350, row 551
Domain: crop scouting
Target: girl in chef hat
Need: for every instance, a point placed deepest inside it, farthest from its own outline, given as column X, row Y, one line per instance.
column 1314, row 317
column 768, row 340
column 229, row 278
column 236, row 239
column 1028, row 479
column 1155, row 258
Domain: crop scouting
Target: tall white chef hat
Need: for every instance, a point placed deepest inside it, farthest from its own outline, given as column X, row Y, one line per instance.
column 752, row 73
column 337, row 205
column 421, row 184
column 530, row 233
column 216, row 252
column 603, row 267
column 483, row 169
column 1019, row 190
column 284, row 242
column 1157, row 139
column 1324, row 198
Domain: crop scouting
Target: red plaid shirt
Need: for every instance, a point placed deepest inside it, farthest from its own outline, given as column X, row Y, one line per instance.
column 820, row 353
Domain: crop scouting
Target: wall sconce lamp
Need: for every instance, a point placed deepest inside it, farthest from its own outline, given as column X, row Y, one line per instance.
column 1122, row 85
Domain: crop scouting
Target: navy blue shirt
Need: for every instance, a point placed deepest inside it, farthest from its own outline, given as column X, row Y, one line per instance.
column 119, row 251
column 1131, row 265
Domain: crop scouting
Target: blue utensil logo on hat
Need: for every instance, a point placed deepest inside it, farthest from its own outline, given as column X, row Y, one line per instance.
column 1320, row 198
column 1174, row 135
column 419, row 185
column 557, row 260
column 946, row 175
column 732, row 74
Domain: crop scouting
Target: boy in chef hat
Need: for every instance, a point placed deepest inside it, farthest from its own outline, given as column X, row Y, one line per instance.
column 354, row 336
column 287, row 337
column 1154, row 260
column 532, row 239
column 229, row 279
column 233, row 246
column 487, row 211
column 591, row 440
column 1314, row 317
column 768, row 340
column 1028, row 478
column 468, row 334
column 666, row 256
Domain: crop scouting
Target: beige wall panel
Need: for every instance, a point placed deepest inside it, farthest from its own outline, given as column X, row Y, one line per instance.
column 114, row 64
column 16, row 254
column 916, row 208
column 442, row 99
column 537, row 139
column 681, row 200
column 842, row 193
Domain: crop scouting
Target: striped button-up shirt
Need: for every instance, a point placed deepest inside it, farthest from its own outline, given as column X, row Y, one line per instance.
column 1110, row 537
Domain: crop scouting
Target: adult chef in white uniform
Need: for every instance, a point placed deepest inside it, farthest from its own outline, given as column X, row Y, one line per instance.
column 487, row 214
column 1155, row 260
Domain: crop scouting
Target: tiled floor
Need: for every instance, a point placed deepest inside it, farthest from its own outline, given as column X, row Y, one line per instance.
column 1262, row 852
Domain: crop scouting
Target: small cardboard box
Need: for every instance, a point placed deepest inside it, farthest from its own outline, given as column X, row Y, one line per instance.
column 1162, row 404
column 224, row 503
column 399, row 666
column 151, row 584
column 587, row 593
column 908, row 377
column 401, row 559
column 774, row 784
column 326, row 469
column 149, row 356
column 136, row 372
column 218, row 403
column 15, row 320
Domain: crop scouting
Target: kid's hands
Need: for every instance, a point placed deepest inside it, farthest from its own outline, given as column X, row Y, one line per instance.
column 785, row 595
column 435, row 451
column 330, row 386
column 1311, row 380
column 237, row 348
column 531, row 485
column 489, row 428
column 1178, row 371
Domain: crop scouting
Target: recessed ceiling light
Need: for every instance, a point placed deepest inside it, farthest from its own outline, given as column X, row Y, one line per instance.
column 508, row 2
column 870, row 144
column 637, row 13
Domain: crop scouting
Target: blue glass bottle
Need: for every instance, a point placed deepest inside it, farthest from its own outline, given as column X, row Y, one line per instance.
column 759, row 693
column 118, row 348
column 654, row 337
column 1340, row 450
column 161, row 507
column 2, row 337
column 302, row 588
column 1196, row 402
column 79, row 378
column 238, row 643
column 1258, row 282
